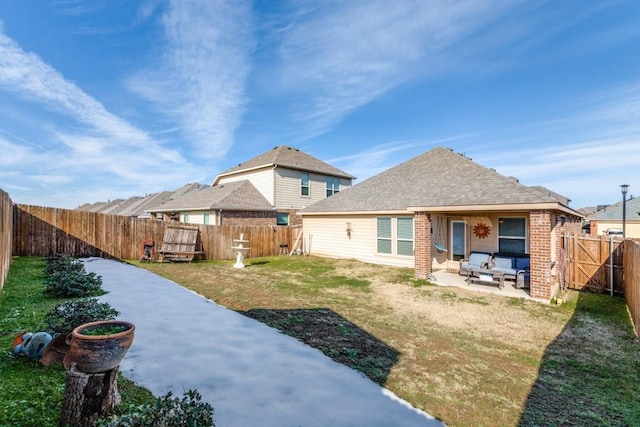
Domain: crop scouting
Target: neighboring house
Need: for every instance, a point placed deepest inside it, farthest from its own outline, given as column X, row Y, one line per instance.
column 138, row 206
column 289, row 179
column 285, row 178
column 235, row 203
column 609, row 219
column 444, row 200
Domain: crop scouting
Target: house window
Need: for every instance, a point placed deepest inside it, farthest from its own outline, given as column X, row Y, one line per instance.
column 405, row 236
column 384, row 235
column 512, row 235
column 282, row 218
column 206, row 217
column 304, row 184
column 333, row 186
column 185, row 217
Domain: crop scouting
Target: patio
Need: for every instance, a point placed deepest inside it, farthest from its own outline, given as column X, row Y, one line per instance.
column 449, row 278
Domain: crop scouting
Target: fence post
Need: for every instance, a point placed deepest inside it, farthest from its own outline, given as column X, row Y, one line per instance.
column 611, row 264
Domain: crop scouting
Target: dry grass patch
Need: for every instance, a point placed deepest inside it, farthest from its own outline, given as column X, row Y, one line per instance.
column 466, row 358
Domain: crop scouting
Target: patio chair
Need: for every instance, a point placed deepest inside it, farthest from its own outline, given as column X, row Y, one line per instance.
column 514, row 267
column 475, row 262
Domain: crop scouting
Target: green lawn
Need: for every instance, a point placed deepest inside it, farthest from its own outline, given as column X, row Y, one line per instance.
column 31, row 394
column 468, row 358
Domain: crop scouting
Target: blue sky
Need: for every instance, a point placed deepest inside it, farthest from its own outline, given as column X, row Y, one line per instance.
column 107, row 99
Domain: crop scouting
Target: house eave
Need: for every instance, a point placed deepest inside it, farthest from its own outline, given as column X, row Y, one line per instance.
column 253, row 168
column 180, row 209
column 499, row 207
column 311, row 170
column 339, row 213
column 212, row 208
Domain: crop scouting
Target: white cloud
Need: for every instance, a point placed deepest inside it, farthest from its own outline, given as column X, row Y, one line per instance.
column 342, row 55
column 199, row 82
column 106, row 154
column 585, row 155
column 32, row 79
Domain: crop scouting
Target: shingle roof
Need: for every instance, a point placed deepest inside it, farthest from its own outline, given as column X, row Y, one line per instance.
column 437, row 178
column 559, row 197
column 287, row 157
column 615, row 211
column 136, row 206
column 239, row 195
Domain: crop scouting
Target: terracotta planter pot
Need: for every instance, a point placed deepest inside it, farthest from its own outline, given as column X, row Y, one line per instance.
column 98, row 353
column 55, row 350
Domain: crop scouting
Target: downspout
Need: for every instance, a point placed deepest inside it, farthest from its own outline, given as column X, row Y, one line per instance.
column 220, row 217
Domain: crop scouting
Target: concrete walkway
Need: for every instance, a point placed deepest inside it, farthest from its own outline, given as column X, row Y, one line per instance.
column 249, row 372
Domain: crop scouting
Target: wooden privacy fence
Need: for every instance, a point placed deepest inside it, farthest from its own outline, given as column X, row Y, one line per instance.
column 43, row 231
column 6, row 230
column 632, row 280
column 592, row 263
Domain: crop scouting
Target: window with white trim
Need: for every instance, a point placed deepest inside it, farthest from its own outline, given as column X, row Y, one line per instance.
column 185, row 218
column 384, row 235
column 512, row 235
column 206, row 218
column 333, row 186
column 404, row 244
column 304, row 184
column 395, row 236
column 282, row 218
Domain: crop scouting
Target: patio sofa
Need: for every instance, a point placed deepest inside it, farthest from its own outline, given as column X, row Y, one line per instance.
column 514, row 266
column 475, row 262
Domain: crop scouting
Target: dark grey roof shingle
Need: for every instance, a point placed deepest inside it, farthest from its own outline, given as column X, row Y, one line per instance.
column 239, row 195
column 615, row 211
column 288, row 157
column 438, row 177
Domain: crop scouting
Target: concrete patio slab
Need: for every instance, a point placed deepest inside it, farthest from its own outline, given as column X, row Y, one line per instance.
column 447, row 278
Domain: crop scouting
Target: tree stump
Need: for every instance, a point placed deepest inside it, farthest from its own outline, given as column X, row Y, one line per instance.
column 88, row 397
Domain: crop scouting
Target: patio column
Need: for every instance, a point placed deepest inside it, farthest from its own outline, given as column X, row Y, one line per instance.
column 540, row 236
column 422, row 245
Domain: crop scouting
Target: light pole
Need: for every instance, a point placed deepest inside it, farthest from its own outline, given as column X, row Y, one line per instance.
column 624, row 188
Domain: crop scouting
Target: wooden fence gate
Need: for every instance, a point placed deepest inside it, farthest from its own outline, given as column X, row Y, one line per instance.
column 592, row 263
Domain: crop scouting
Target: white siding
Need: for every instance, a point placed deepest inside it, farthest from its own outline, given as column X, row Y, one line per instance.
column 288, row 184
column 262, row 179
column 632, row 228
column 327, row 236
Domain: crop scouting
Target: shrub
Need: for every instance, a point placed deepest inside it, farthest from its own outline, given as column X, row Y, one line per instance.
column 61, row 262
column 64, row 317
column 166, row 412
column 73, row 283
column 66, row 277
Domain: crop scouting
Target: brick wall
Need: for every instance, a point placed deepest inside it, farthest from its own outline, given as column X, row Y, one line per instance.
column 247, row 218
column 295, row 220
column 422, row 251
column 540, row 238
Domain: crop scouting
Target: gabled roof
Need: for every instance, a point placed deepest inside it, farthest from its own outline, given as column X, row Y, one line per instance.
column 288, row 157
column 438, row 180
column 614, row 212
column 239, row 195
column 137, row 205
